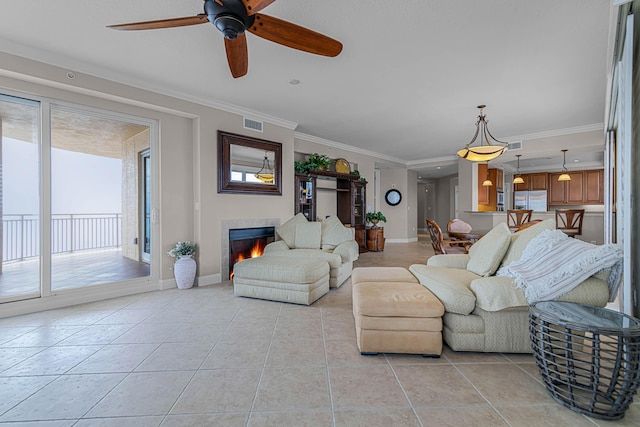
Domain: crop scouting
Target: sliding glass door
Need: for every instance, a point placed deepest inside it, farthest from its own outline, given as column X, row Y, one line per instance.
column 74, row 199
column 20, row 198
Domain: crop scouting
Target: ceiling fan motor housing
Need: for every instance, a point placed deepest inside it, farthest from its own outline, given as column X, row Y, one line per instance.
column 231, row 18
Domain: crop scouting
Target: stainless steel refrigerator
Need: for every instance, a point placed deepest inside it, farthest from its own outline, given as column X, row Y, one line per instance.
column 536, row 200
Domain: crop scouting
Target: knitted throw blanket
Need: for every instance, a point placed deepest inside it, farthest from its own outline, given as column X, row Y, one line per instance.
column 552, row 264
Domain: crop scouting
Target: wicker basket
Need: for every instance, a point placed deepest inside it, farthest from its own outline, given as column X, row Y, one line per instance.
column 589, row 357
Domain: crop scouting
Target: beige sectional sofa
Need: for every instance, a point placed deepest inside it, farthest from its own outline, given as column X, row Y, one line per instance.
column 327, row 240
column 488, row 313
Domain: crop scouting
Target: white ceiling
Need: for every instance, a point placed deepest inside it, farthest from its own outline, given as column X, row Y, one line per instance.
column 406, row 84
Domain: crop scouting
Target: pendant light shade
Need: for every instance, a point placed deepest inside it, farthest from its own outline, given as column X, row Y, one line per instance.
column 266, row 173
column 489, row 147
column 518, row 179
column 565, row 173
column 487, row 182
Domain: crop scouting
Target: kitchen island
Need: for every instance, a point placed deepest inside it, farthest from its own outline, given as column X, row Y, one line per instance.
column 592, row 225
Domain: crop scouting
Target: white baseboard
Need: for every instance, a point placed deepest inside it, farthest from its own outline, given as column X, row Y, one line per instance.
column 409, row 240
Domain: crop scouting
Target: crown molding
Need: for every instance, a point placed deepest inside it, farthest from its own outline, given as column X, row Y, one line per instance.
column 333, row 144
column 557, row 132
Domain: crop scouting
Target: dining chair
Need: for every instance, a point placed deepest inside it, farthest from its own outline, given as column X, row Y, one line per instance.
column 442, row 246
column 569, row 221
column 458, row 226
column 528, row 224
column 517, row 217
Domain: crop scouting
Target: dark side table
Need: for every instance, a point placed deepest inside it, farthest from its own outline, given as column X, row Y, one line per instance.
column 589, row 357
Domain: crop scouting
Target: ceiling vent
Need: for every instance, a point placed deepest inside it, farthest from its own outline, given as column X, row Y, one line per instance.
column 253, row 125
column 514, row 146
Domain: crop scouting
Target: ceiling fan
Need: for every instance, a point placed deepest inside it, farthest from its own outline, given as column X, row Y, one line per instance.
column 234, row 17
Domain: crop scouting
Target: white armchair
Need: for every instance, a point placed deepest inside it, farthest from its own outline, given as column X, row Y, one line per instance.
column 329, row 240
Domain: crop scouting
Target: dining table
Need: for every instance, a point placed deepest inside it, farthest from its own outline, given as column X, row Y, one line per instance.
column 472, row 236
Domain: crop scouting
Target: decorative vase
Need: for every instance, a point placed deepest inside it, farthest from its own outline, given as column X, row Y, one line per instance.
column 184, row 271
column 375, row 222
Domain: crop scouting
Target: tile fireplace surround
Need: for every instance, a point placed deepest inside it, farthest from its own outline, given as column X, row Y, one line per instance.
column 230, row 224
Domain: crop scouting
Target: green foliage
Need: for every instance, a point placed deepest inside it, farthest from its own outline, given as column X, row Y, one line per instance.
column 300, row 167
column 182, row 248
column 318, row 161
column 379, row 216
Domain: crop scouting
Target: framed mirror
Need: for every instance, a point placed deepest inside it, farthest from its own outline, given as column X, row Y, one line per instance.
column 248, row 165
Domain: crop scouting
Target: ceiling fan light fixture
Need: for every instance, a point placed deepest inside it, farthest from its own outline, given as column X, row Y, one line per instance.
column 229, row 26
column 489, row 148
column 565, row 173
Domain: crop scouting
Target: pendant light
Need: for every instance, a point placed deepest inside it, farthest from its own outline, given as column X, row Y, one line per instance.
column 487, row 182
column 486, row 150
column 518, row 179
column 266, row 173
column 565, row 173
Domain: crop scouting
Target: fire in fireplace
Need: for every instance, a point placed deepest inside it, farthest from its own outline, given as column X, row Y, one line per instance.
column 248, row 243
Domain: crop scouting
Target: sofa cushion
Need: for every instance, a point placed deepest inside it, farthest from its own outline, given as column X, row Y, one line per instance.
column 308, row 235
column 287, row 231
column 521, row 239
column 450, row 285
column 395, row 299
column 497, row 293
column 334, row 232
column 449, row 260
column 485, row 255
column 335, row 261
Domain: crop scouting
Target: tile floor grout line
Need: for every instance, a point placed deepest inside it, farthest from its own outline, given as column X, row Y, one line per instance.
column 406, row 395
column 480, row 393
column 326, row 362
column 198, row 369
column 264, row 365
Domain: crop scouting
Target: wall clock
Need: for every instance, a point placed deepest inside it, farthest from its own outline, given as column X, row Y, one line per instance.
column 393, row 197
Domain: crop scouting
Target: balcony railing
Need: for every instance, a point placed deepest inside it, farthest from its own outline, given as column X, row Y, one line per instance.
column 69, row 233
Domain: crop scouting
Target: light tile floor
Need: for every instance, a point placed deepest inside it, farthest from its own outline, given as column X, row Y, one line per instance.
column 203, row 357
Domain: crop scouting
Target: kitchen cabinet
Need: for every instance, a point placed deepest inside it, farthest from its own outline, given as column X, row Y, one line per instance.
column 483, row 192
column 488, row 196
column 567, row 192
column 538, row 181
column 499, row 183
column 594, row 187
column 532, row 182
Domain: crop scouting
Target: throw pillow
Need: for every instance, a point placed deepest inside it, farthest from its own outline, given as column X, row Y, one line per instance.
column 521, row 239
column 485, row 255
column 334, row 233
column 308, row 235
column 287, row 231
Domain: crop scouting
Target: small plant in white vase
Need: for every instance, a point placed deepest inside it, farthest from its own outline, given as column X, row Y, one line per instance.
column 184, row 268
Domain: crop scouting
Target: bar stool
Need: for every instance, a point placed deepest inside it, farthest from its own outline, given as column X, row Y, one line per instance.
column 517, row 217
column 569, row 221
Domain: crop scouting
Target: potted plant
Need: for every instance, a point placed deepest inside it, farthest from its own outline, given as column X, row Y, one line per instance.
column 318, row 161
column 375, row 217
column 300, row 167
column 184, row 268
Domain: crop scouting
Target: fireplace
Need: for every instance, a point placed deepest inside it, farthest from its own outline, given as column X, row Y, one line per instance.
column 227, row 225
column 248, row 243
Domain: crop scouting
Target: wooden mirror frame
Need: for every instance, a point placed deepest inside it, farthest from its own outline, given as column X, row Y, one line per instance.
column 226, row 185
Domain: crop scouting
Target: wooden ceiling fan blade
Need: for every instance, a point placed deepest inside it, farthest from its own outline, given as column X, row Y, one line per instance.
column 294, row 36
column 255, row 6
column 163, row 23
column 237, row 55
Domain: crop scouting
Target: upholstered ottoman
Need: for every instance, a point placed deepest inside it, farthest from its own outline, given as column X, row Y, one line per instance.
column 296, row 280
column 394, row 313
